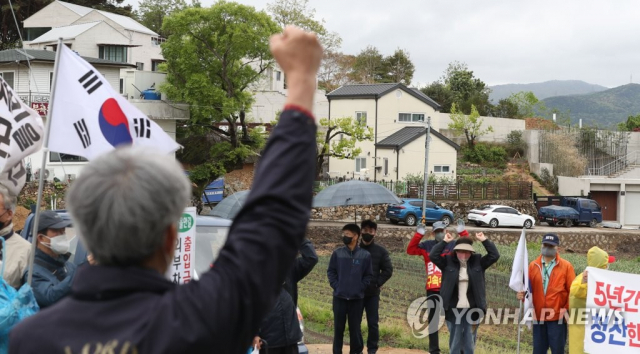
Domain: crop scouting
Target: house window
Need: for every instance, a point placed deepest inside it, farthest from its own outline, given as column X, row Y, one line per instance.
column 361, row 163
column 155, row 65
column 121, row 85
column 278, row 75
column 139, row 66
column 361, row 118
column 386, row 166
column 156, row 41
column 411, row 117
column 35, row 32
column 114, row 53
column 56, row 157
column 441, row 169
column 8, row 77
column 50, row 81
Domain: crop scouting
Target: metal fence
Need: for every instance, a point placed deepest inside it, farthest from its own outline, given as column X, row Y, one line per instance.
column 454, row 191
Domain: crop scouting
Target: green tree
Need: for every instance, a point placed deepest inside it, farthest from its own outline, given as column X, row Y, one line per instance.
column 212, row 57
column 369, row 66
column 631, row 125
column 528, row 104
column 469, row 125
column 505, row 109
column 398, row 67
column 338, row 137
column 440, row 93
column 152, row 12
column 336, row 70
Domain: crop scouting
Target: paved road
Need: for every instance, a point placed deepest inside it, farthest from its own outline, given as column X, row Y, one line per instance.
column 473, row 228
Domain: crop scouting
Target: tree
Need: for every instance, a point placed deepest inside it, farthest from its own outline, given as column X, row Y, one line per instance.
column 152, row 12
column 212, row 57
column 528, row 104
column 398, row 67
column 505, row 109
column 10, row 35
column 336, row 70
column 469, row 125
column 338, row 137
column 440, row 93
column 369, row 66
column 631, row 125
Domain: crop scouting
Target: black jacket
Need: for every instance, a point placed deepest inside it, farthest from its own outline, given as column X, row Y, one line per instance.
column 349, row 272
column 476, row 265
column 281, row 327
column 301, row 268
column 380, row 265
column 139, row 309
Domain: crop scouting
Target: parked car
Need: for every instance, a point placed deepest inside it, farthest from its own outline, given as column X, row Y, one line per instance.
column 211, row 234
column 500, row 215
column 572, row 211
column 410, row 212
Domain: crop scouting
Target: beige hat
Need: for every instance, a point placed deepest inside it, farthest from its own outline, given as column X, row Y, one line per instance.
column 464, row 247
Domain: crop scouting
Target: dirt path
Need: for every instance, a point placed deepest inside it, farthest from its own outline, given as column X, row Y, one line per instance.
column 327, row 349
column 516, row 172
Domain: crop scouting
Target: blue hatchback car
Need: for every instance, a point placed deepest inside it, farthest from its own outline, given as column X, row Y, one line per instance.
column 410, row 212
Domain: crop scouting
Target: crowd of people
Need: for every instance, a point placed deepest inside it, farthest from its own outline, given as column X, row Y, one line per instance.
column 121, row 300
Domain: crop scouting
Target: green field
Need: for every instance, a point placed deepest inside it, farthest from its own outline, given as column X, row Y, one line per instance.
column 407, row 284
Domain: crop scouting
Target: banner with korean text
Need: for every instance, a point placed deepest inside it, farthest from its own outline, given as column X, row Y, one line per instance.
column 182, row 268
column 613, row 300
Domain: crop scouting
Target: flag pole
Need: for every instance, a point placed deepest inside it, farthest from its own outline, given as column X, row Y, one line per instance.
column 45, row 150
column 519, row 324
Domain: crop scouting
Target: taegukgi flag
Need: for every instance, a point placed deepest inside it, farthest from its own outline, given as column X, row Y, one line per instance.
column 89, row 117
column 520, row 276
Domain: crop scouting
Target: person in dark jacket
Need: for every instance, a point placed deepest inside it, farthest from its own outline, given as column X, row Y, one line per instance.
column 463, row 288
column 280, row 330
column 349, row 275
column 125, row 302
column 382, row 271
column 52, row 271
column 301, row 268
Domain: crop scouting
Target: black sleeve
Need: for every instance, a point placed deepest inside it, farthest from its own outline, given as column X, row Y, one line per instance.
column 492, row 255
column 386, row 268
column 436, row 255
column 306, row 262
column 229, row 301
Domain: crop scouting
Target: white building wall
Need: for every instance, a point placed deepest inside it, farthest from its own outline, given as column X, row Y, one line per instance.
column 52, row 15
column 501, row 128
column 145, row 51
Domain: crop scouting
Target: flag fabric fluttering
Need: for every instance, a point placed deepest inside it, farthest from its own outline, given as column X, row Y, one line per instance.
column 520, row 276
column 89, row 117
column 21, row 134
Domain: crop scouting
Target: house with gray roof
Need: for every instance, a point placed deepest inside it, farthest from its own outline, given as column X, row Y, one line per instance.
column 397, row 114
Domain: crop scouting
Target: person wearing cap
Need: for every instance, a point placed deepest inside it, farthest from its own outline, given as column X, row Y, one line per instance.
column 52, row 271
column 434, row 274
column 463, row 287
column 550, row 279
column 596, row 258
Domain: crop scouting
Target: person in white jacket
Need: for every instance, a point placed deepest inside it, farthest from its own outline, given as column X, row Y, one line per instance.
column 18, row 249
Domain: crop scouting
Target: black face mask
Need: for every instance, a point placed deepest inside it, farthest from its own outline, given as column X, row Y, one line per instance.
column 367, row 238
column 347, row 240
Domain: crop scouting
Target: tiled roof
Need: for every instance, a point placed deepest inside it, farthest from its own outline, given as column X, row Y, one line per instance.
column 378, row 90
column 406, row 135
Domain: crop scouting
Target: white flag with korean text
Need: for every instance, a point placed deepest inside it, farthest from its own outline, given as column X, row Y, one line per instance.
column 89, row 117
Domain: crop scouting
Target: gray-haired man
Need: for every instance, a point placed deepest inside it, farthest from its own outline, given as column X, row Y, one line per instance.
column 124, row 304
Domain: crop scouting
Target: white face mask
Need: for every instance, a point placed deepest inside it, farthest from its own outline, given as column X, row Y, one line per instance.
column 59, row 244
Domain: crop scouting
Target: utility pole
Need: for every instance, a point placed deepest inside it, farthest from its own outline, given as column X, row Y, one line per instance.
column 426, row 171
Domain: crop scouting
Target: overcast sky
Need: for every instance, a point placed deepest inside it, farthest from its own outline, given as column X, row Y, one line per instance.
column 502, row 41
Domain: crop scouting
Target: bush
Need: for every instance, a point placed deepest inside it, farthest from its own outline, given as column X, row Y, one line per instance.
column 515, row 143
column 483, row 154
column 548, row 181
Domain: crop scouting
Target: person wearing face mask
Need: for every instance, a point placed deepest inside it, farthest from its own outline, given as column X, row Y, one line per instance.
column 18, row 249
column 52, row 271
column 596, row 258
column 550, row 279
column 382, row 271
column 434, row 274
column 349, row 274
column 463, row 287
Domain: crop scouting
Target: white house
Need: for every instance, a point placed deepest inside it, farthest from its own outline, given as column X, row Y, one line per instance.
column 94, row 33
column 34, row 89
column 397, row 115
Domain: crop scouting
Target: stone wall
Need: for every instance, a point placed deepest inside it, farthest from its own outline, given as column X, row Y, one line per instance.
column 460, row 208
column 577, row 239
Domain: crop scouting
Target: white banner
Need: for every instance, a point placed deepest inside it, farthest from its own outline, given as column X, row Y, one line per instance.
column 613, row 303
column 520, row 277
column 89, row 118
column 21, row 134
column 183, row 265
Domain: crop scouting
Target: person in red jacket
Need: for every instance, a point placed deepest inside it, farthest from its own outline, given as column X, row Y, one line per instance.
column 434, row 274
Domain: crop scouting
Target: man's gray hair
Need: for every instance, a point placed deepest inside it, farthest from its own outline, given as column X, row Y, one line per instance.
column 10, row 201
column 123, row 202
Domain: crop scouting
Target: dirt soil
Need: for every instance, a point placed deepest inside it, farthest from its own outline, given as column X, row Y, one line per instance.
column 20, row 217
column 516, row 172
column 327, row 349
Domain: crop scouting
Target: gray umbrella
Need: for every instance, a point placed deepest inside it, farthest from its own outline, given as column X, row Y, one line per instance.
column 354, row 193
column 229, row 207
